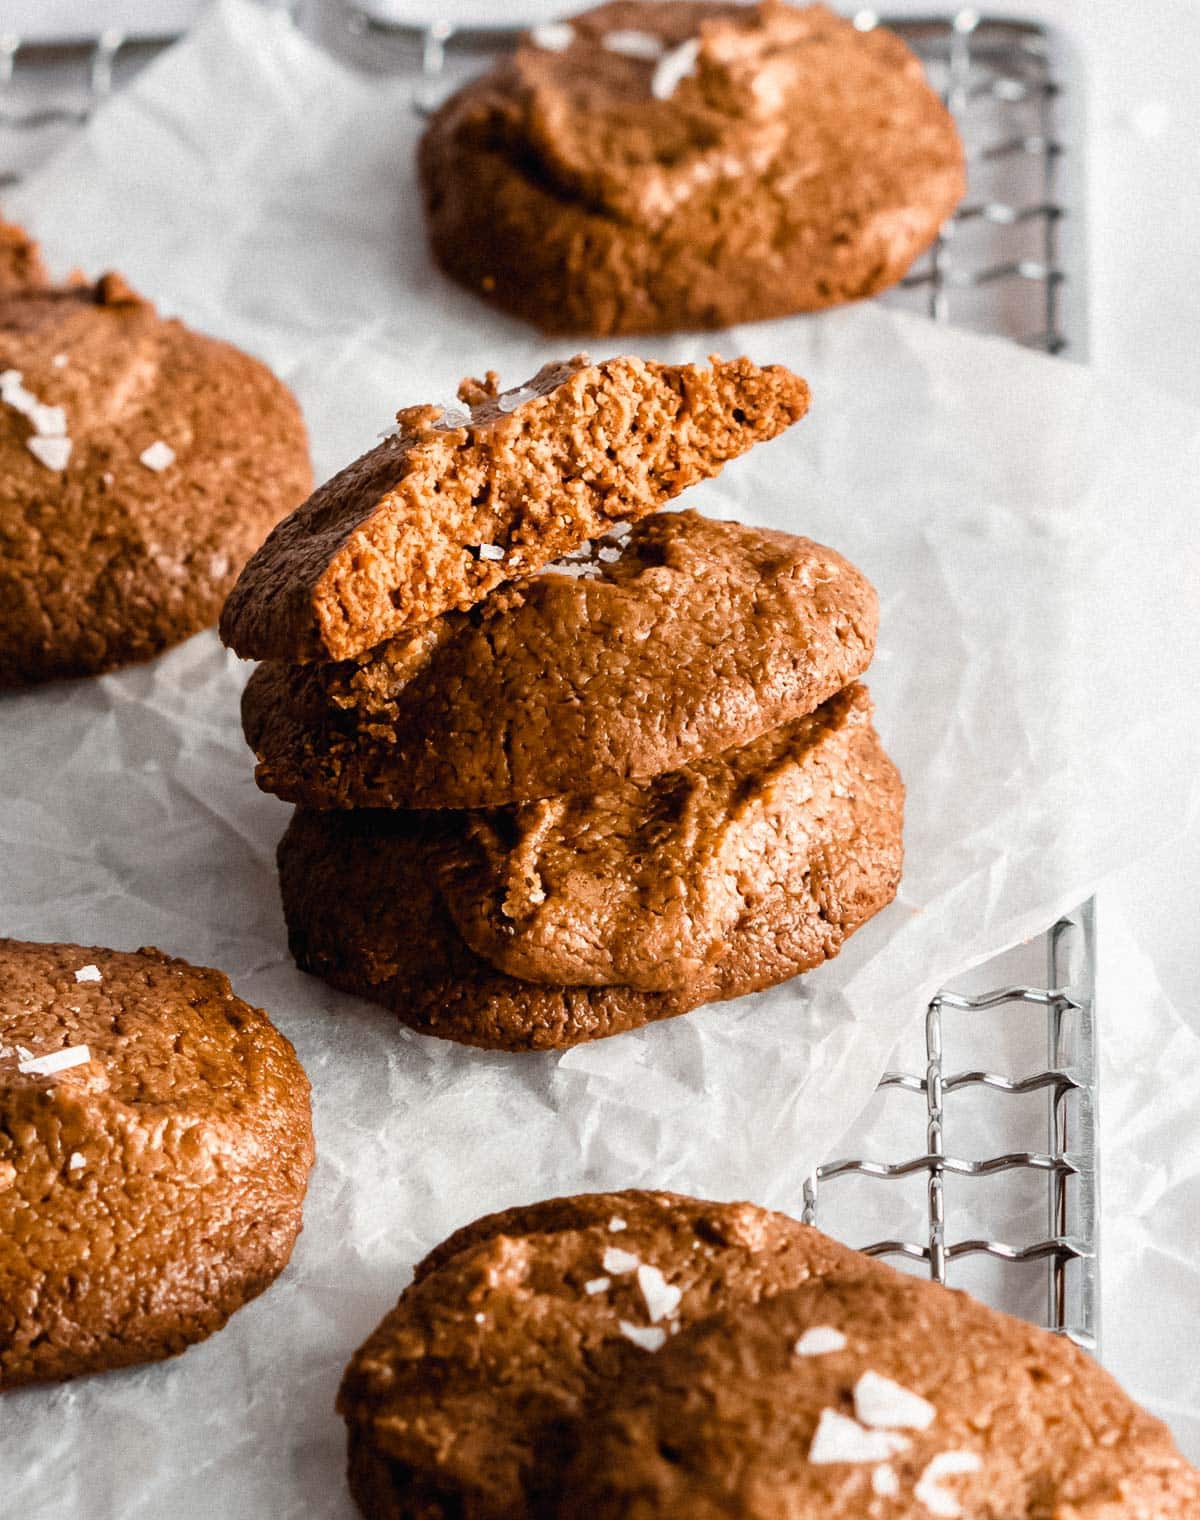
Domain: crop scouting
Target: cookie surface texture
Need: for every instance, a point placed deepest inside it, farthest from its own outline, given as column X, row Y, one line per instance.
column 460, row 500
column 155, row 1145
column 659, row 166
column 642, row 886
column 467, row 1398
column 881, row 1395
column 142, row 465
column 369, row 899
column 688, row 637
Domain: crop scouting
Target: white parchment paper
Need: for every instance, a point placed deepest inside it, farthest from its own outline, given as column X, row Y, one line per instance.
column 1028, row 527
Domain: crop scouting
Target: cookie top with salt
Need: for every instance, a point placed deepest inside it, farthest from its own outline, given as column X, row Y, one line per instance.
column 922, row 1403
column 154, row 1130
column 463, row 497
column 449, row 1413
column 698, row 636
column 107, row 555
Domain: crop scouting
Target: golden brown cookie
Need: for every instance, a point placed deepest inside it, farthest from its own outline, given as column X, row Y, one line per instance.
column 368, row 898
column 643, row 885
column 685, row 638
column 142, row 463
column 155, row 1145
column 470, row 1396
column 651, row 166
column 459, row 501
column 869, row 1393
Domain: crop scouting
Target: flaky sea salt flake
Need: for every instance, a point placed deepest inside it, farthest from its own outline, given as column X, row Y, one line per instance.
column 511, row 400
column 632, row 44
column 57, row 1060
column 838, row 1438
column 554, row 37
column 490, row 551
column 77, row 1161
column 947, row 1464
column 158, row 457
column 49, row 421
column 88, row 974
column 597, row 1285
column 54, row 453
column 884, row 1482
column 648, row 1337
column 674, row 67
column 820, row 1340
column 609, row 553
column 886, row 1405
column 620, row 1262
column 662, row 1298
column 616, row 1223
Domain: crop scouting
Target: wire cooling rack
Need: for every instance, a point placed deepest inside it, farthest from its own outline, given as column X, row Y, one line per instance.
column 993, row 1116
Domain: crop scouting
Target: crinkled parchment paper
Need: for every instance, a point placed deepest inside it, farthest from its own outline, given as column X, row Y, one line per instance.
column 1030, row 531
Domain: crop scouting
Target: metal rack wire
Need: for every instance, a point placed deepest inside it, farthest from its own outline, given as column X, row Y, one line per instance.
column 1006, row 264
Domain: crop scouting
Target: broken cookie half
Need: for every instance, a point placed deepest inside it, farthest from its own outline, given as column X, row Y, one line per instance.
column 460, row 499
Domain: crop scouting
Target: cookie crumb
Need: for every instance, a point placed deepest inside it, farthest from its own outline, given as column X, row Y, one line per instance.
column 56, row 1061
column 60, row 361
column 88, row 974
column 648, row 1337
column 158, row 457
column 674, row 67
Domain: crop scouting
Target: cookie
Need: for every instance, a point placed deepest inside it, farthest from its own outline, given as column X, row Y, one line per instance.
column 155, row 1145
column 642, row 886
column 458, row 501
column 693, row 637
column 21, row 266
column 142, row 463
column 659, row 164
column 868, row 1393
column 471, row 1395
column 366, row 897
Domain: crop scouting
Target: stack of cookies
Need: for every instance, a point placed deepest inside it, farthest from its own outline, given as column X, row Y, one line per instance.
column 565, row 764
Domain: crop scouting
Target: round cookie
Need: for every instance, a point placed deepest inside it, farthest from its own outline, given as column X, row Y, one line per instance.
column 872, row 1394
column 155, row 1145
column 142, row 464
column 641, row 886
column 654, row 166
column 685, row 637
column 468, row 1398
column 365, row 896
